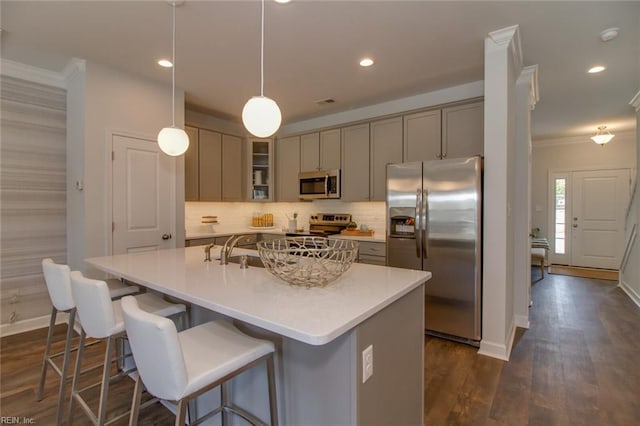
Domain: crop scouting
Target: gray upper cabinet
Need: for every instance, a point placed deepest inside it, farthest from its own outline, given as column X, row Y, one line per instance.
column 232, row 171
column 422, row 136
column 310, row 152
column 209, row 165
column 213, row 166
column 355, row 163
column 320, row 150
column 463, row 130
column 385, row 148
column 191, row 169
column 330, row 149
column 287, row 168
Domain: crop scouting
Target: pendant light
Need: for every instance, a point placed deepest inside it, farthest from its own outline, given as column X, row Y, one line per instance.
column 602, row 136
column 173, row 140
column 261, row 115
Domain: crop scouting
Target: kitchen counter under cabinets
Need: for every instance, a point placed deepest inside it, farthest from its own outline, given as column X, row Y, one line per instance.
column 372, row 250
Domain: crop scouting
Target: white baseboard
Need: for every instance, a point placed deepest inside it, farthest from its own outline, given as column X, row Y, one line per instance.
column 522, row 321
column 499, row 350
column 633, row 295
column 30, row 324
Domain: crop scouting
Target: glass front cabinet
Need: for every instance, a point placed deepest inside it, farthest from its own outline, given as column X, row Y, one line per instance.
column 261, row 169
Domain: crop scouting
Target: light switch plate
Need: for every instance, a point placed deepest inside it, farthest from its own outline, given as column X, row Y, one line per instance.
column 367, row 363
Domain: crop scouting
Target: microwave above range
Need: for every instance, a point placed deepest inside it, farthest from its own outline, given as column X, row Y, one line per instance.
column 323, row 184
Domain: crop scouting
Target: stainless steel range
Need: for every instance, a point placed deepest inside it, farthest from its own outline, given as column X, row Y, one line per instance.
column 325, row 224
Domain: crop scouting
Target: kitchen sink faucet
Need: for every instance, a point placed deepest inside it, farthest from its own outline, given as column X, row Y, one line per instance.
column 228, row 247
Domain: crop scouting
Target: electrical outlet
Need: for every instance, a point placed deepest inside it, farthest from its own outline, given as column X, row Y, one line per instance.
column 367, row 363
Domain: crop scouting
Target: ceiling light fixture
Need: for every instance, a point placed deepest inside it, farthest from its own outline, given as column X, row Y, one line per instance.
column 596, row 69
column 261, row 115
column 366, row 62
column 165, row 63
column 609, row 34
column 173, row 140
column 283, row 1
column 602, row 136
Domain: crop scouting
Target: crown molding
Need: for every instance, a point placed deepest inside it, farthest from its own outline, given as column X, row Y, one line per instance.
column 72, row 69
column 529, row 75
column 22, row 71
column 509, row 38
column 635, row 102
column 573, row 140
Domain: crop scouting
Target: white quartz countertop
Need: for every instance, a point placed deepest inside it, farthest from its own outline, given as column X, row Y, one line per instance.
column 374, row 238
column 219, row 231
column 315, row 316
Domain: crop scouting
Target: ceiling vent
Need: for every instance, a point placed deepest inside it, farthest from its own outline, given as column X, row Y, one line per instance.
column 326, row 101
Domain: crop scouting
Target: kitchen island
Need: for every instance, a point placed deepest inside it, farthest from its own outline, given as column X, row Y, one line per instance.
column 320, row 333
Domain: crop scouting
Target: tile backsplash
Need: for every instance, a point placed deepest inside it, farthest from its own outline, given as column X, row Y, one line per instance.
column 238, row 215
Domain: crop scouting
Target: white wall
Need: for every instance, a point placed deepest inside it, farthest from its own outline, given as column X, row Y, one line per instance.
column 102, row 100
column 575, row 153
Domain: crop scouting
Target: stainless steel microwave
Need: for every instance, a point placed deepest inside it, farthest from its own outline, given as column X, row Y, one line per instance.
column 319, row 185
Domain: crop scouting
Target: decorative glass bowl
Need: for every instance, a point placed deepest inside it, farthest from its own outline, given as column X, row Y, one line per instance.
column 307, row 261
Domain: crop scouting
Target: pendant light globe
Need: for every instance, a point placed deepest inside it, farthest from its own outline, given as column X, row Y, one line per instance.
column 261, row 116
column 173, row 141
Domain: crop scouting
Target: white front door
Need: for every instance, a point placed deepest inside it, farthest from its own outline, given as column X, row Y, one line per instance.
column 599, row 202
column 142, row 208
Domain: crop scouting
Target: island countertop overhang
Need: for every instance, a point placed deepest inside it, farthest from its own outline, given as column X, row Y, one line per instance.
column 314, row 316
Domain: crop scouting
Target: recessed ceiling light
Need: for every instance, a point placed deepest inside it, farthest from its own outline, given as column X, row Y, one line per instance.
column 165, row 63
column 282, row 1
column 366, row 62
column 596, row 69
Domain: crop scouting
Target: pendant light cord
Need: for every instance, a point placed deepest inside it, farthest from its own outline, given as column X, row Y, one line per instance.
column 173, row 68
column 262, row 53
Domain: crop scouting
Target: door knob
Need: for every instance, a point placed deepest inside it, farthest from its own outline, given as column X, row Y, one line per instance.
column 166, row 236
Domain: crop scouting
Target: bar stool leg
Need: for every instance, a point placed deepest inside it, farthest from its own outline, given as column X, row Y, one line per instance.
column 106, row 377
column 181, row 415
column 47, row 350
column 273, row 403
column 135, row 404
column 76, row 375
column 65, row 365
column 224, row 402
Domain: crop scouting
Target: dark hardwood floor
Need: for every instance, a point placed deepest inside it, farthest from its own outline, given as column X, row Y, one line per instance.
column 576, row 365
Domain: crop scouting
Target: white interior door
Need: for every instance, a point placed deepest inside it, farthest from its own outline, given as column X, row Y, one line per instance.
column 597, row 221
column 141, row 196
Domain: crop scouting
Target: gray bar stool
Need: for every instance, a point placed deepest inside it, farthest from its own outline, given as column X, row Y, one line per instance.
column 181, row 366
column 58, row 280
column 101, row 318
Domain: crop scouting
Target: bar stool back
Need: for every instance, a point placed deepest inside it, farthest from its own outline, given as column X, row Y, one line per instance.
column 58, row 281
column 101, row 318
column 181, row 366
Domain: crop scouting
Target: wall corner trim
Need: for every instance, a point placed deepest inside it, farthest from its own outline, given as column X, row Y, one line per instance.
column 635, row 102
column 33, row 74
column 522, row 321
column 509, row 37
column 633, row 295
column 499, row 350
column 529, row 75
column 74, row 67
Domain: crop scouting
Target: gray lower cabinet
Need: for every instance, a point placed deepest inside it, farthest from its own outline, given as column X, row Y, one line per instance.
column 373, row 253
column 287, row 168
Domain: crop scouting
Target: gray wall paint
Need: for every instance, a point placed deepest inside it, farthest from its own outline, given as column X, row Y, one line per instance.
column 32, row 194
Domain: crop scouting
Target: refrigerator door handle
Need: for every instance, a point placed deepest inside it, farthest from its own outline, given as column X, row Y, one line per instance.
column 425, row 225
column 416, row 226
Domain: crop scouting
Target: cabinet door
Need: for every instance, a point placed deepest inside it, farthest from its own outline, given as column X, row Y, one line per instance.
column 355, row 163
column 330, row 149
column 209, row 165
column 422, row 136
column 463, row 130
column 287, row 168
column 232, row 169
column 191, row 186
column 260, row 172
column 386, row 148
column 310, row 152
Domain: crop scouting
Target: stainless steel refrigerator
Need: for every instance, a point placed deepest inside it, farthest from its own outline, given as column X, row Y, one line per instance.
column 434, row 223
